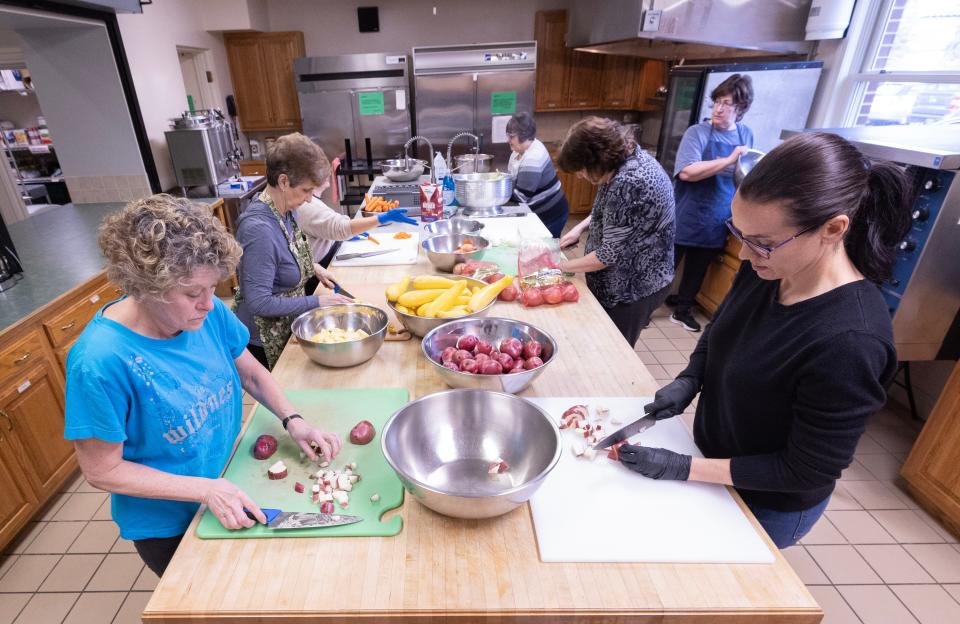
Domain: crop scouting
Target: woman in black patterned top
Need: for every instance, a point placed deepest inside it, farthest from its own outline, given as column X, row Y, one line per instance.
column 628, row 258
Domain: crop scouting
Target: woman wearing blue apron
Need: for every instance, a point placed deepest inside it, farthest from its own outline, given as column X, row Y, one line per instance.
column 704, row 188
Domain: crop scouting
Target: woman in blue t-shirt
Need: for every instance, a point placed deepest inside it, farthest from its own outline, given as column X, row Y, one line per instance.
column 154, row 381
column 703, row 175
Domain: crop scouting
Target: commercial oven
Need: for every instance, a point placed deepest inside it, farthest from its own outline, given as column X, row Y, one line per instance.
column 923, row 294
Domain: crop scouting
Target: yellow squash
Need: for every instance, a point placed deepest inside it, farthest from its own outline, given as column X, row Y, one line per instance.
column 395, row 290
column 448, row 299
column 424, row 282
column 416, row 298
column 454, row 312
column 488, row 293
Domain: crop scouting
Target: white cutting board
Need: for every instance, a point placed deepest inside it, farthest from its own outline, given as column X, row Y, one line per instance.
column 513, row 229
column 601, row 511
column 407, row 250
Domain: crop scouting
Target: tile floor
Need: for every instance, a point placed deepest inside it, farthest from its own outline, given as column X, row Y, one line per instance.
column 874, row 557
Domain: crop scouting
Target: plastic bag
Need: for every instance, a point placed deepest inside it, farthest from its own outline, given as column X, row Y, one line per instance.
column 541, row 279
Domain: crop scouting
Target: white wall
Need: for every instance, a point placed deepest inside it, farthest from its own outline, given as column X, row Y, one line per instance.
column 78, row 87
column 22, row 110
column 330, row 26
column 150, row 40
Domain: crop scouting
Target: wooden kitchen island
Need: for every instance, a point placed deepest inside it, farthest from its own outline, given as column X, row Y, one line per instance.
column 441, row 569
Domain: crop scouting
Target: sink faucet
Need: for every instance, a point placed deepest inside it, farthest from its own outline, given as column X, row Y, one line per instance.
column 476, row 147
column 406, row 155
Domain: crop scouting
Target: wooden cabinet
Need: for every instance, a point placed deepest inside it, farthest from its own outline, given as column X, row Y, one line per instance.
column 931, row 469
column 35, row 460
column 585, row 81
column 552, row 59
column 253, row 167
column 619, row 81
column 32, row 408
column 261, row 68
column 18, row 502
column 579, row 192
column 719, row 277
column 570, row 80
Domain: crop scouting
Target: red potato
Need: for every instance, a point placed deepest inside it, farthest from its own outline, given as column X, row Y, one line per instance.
column 518, row 367
column 447, row 354
column 264, row 447
column 492, row 278
column 614, row 451
column 467, row 343
column 505, row 361
column 510, row 293
column 483, row 347
column 460, row 356
column 481, row 358
column 327, row 507
column 553, row 294
column 277, row 471
column 458, row 268
column 531, row 349
column 451, row 365
column 298, row 487
column 495, row 353
column 362, row 432
column 491, row 368
column 469, row 366
column 570, row 293
column 532, row 363
column 512, row 347
column 532, row 297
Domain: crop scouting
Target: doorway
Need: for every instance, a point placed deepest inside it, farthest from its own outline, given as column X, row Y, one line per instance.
column 195, row 65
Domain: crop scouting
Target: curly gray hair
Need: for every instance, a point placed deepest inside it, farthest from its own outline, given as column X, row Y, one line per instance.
column 153, row 244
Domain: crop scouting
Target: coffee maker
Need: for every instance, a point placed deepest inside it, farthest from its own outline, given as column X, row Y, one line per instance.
column 205, row 149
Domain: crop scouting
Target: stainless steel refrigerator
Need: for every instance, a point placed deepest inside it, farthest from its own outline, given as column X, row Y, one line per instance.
column 783, row 96
column 473, row 88
column 360, row 98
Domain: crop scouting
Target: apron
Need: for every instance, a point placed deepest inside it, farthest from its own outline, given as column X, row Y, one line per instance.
column 513, row 166
column 275, row 331
column 702, row 207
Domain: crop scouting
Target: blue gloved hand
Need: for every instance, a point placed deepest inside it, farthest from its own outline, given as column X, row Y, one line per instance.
column 359, row 237
column 398, row 215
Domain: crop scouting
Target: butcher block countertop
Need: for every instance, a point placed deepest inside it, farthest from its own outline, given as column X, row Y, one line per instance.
column 444, row 569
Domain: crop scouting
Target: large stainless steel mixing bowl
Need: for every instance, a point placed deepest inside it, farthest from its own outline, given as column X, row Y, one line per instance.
column 345, row 316
column 483, row 190
column 747, row 161
column 493, row 330
column 455, row 225
column 402, row 170
column 441, row 250
column 442, row 445
column 420, row 326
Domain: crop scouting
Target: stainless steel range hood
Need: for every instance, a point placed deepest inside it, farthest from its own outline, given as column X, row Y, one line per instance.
column 691, row 29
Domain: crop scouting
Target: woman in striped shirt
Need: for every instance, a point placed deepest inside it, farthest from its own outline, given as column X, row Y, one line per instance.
column 535, row 179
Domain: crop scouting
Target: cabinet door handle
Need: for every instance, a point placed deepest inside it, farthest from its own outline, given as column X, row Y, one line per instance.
column 22, row 358
column 8, row 419
column 68, row 326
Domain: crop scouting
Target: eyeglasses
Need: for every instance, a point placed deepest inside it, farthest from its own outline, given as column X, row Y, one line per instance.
column 764, row 251
column 722, row 105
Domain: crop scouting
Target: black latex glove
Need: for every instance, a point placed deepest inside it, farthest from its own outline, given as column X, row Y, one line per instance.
column 656, row 463
column 672, row 399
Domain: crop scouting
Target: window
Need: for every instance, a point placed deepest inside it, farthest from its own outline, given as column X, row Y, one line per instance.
column 911, row 73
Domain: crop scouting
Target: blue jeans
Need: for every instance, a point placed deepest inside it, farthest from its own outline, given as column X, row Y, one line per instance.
column 785, row 528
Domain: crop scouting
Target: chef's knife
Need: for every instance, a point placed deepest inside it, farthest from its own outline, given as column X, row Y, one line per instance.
column 277, row 519
column 340, row 290
column 366, row 254
column 626, row 432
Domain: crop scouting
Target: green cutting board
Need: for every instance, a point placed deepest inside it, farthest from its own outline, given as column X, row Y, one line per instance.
column 330, row 410
column 505, row 257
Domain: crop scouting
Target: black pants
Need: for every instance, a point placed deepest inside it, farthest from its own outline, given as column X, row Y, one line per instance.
column 696, row 262
column 157, row 552
column 631, row 318
column 258, row 352
column 311, row 286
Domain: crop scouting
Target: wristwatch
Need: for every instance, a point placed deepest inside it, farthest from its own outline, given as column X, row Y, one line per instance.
column 286, row 421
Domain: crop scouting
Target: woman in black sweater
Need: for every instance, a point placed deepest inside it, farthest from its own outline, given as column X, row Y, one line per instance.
column 801, row 350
